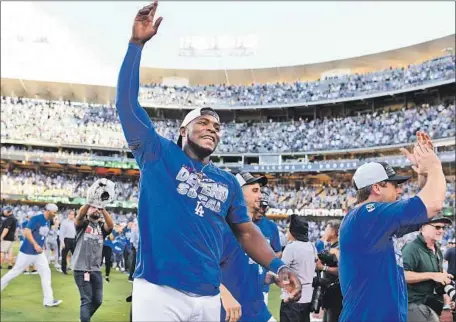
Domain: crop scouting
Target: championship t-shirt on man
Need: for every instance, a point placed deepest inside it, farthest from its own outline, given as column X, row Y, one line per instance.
column 370, row 267
column 244, row 278
column 183, row 203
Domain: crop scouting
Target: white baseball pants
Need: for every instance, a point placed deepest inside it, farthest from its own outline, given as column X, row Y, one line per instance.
column 153, row 302
column 42, row 266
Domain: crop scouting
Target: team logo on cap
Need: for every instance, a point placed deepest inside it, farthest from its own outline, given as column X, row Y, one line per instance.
column 389, row 171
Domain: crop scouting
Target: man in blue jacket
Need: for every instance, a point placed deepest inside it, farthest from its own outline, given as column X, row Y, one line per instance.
column 184, row 205
column 371, row 269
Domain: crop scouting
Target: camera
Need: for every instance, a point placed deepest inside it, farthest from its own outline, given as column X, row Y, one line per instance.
column 317, row 294
column 449, row 289
column 435, row 302
column 328, row 259
column 326, row 290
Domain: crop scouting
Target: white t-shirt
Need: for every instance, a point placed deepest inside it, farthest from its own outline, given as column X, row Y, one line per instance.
column 300, row 257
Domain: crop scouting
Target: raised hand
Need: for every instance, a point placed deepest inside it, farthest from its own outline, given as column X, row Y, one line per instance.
column 144, row 27
column 423, row 139
column 426, row 159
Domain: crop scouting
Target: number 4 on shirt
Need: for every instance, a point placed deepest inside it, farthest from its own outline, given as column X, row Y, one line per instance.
column 199, row 209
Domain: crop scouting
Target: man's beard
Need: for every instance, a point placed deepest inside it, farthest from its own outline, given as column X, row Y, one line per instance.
column 94, row 217
column 199, row 151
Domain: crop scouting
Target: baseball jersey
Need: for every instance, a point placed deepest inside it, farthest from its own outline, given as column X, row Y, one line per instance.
column 244, row 278
column 271, row 232
column 371, row 270
column 183, row 204
column 39, row 226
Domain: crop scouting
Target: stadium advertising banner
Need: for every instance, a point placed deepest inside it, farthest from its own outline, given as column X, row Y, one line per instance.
column 307, row 212
column 276, row 213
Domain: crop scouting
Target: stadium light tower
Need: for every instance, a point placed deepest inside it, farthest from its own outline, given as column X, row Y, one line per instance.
column 218, row 46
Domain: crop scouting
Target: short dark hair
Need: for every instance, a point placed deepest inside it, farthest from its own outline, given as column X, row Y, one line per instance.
column 334, row 224
column 363, row 194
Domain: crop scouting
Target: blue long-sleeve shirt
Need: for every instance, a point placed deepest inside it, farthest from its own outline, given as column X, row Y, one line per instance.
column 180, row 217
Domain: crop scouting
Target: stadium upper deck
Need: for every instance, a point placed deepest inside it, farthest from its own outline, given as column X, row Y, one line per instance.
column 399, row 58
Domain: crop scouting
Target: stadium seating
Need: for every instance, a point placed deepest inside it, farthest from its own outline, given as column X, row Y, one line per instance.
column 438, row 69
column 75, row 123
column 281, row 196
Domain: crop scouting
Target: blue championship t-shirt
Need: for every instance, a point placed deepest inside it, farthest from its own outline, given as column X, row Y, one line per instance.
column 244, row 278
column 271, row 232
column 183, row 204
column 371, row 271
column 39, row 227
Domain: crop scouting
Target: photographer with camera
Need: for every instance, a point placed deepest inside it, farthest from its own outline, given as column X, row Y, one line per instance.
column 90, row 234
column 327, row 265
column 424, row 273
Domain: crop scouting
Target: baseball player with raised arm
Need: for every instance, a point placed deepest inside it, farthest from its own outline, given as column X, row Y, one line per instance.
column 371, row 270
column 184, row 205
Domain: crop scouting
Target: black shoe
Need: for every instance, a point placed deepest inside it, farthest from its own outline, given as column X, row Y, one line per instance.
column 107, row 279
column 10, row 266
column 65, row 272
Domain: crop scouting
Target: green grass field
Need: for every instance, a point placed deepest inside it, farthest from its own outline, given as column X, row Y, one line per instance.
column 22, row 299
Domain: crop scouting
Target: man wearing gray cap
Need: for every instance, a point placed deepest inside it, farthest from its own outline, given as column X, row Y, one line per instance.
column 31, row 253
column 370, row 268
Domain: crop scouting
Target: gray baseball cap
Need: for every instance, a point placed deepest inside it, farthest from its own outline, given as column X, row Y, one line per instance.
column 375, row 172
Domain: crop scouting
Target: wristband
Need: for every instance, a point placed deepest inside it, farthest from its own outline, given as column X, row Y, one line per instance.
column 276, row 265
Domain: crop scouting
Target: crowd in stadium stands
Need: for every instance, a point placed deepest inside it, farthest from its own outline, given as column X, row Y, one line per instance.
column 355, row 85
column 31, row 183
column 75, row 123
column 61, row 184
column 23, row 212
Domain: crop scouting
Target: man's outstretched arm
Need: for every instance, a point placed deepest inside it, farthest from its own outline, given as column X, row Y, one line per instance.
column 257, row 247
column 136, row 124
